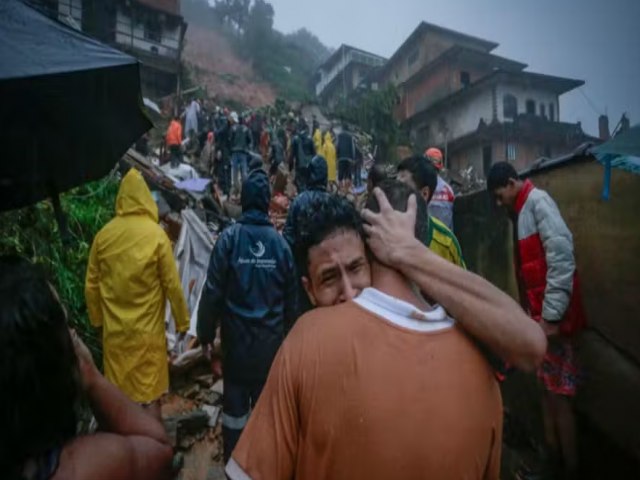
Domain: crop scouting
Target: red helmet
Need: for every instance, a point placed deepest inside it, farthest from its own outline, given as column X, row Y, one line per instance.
column 435, row 156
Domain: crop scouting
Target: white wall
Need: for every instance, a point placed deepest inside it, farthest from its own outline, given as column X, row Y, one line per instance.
column 462, row 118
column 135, row 36
column 523, row 94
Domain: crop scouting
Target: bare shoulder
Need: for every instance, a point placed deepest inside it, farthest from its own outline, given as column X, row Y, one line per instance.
column 105, row 456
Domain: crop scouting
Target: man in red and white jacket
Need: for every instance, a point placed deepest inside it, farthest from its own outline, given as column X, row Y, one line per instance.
column 550, row 293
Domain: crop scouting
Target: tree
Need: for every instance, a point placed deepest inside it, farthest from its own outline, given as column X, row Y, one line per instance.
column 233, row 12
column 315, row 50
column 373, row 113
column 259, row 35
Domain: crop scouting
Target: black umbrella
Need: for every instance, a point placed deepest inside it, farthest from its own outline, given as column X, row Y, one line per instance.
column 70, row 106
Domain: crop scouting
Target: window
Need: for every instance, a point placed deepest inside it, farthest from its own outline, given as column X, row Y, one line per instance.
column 543, row 110
column 531, row 107
column 510, row 106
column 152, row 29
column 413, row 57
column 552, row 112
column 511, row 152
column 546, row 151
column 465, row 79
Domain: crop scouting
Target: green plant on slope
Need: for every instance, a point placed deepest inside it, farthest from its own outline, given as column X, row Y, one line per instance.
column 33, row 233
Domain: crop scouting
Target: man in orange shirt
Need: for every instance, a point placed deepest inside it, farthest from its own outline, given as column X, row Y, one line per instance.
column 174, row 140
column 330, row 406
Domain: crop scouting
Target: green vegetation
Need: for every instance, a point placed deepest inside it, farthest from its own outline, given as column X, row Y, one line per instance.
column 33, row 233
column 373, row 112
column 287, row 62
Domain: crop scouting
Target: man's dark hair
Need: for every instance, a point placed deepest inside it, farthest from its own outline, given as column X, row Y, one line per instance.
column 39, row 377
column 377, row 175
column 423, row 172
column 499, row 175
column 398, row 194
column 324, row 216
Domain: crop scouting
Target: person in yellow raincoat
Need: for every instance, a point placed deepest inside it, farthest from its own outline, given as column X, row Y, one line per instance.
column 131, row 274
column 317, row 140
column 329, row 154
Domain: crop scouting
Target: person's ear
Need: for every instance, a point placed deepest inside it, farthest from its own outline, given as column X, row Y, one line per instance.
column 425, row 192
column 306, row 283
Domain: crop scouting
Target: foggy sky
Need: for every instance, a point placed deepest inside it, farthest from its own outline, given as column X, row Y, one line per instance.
column 593, row 40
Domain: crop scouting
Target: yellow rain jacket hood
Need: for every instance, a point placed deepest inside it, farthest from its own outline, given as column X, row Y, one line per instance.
column 130, row 276
column 329, row 154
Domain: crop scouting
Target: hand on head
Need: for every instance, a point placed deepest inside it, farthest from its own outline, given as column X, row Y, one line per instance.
column 390, row 230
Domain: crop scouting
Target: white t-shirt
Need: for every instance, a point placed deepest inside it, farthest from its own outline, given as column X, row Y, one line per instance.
column 402, row 313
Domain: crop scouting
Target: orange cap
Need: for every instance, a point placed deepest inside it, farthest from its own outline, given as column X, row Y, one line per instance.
column 435, row 156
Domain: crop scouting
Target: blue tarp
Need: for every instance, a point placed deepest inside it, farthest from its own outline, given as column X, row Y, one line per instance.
column 623, row 152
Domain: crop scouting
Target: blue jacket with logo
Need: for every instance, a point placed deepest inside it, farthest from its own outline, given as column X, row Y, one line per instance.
column 250, row 289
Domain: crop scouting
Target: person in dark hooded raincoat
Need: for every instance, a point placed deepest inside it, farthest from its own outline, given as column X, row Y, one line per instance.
column 251, row 290
column 317, row 186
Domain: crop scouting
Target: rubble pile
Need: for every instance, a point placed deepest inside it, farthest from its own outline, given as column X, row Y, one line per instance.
column 191, row 415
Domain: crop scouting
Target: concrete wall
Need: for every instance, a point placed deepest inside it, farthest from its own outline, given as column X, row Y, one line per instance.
column 607, row 242
column 523, row 94
column 460, row 119
column 428, row 48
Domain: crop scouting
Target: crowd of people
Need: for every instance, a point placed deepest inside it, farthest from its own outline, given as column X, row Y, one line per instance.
column 356, row 344
column 221, row 144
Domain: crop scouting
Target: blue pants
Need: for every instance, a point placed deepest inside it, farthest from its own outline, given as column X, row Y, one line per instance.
column 237, row 402
column 238, row 165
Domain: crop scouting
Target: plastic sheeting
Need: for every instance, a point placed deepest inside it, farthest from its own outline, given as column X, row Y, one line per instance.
column 192, row 251
column 622, row 151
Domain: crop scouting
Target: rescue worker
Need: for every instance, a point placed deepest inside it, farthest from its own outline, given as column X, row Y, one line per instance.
column 251, row 291
column 441, row 204
column 191, row 114
column 222, row 167
column 173, row 139
column 276, row 156
column 302, row 152
column 240, row 138
column 329, row 154
column 346, row 154
column 207, row 157
column 317, row 137
column 131, row 275
column 317, row 188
